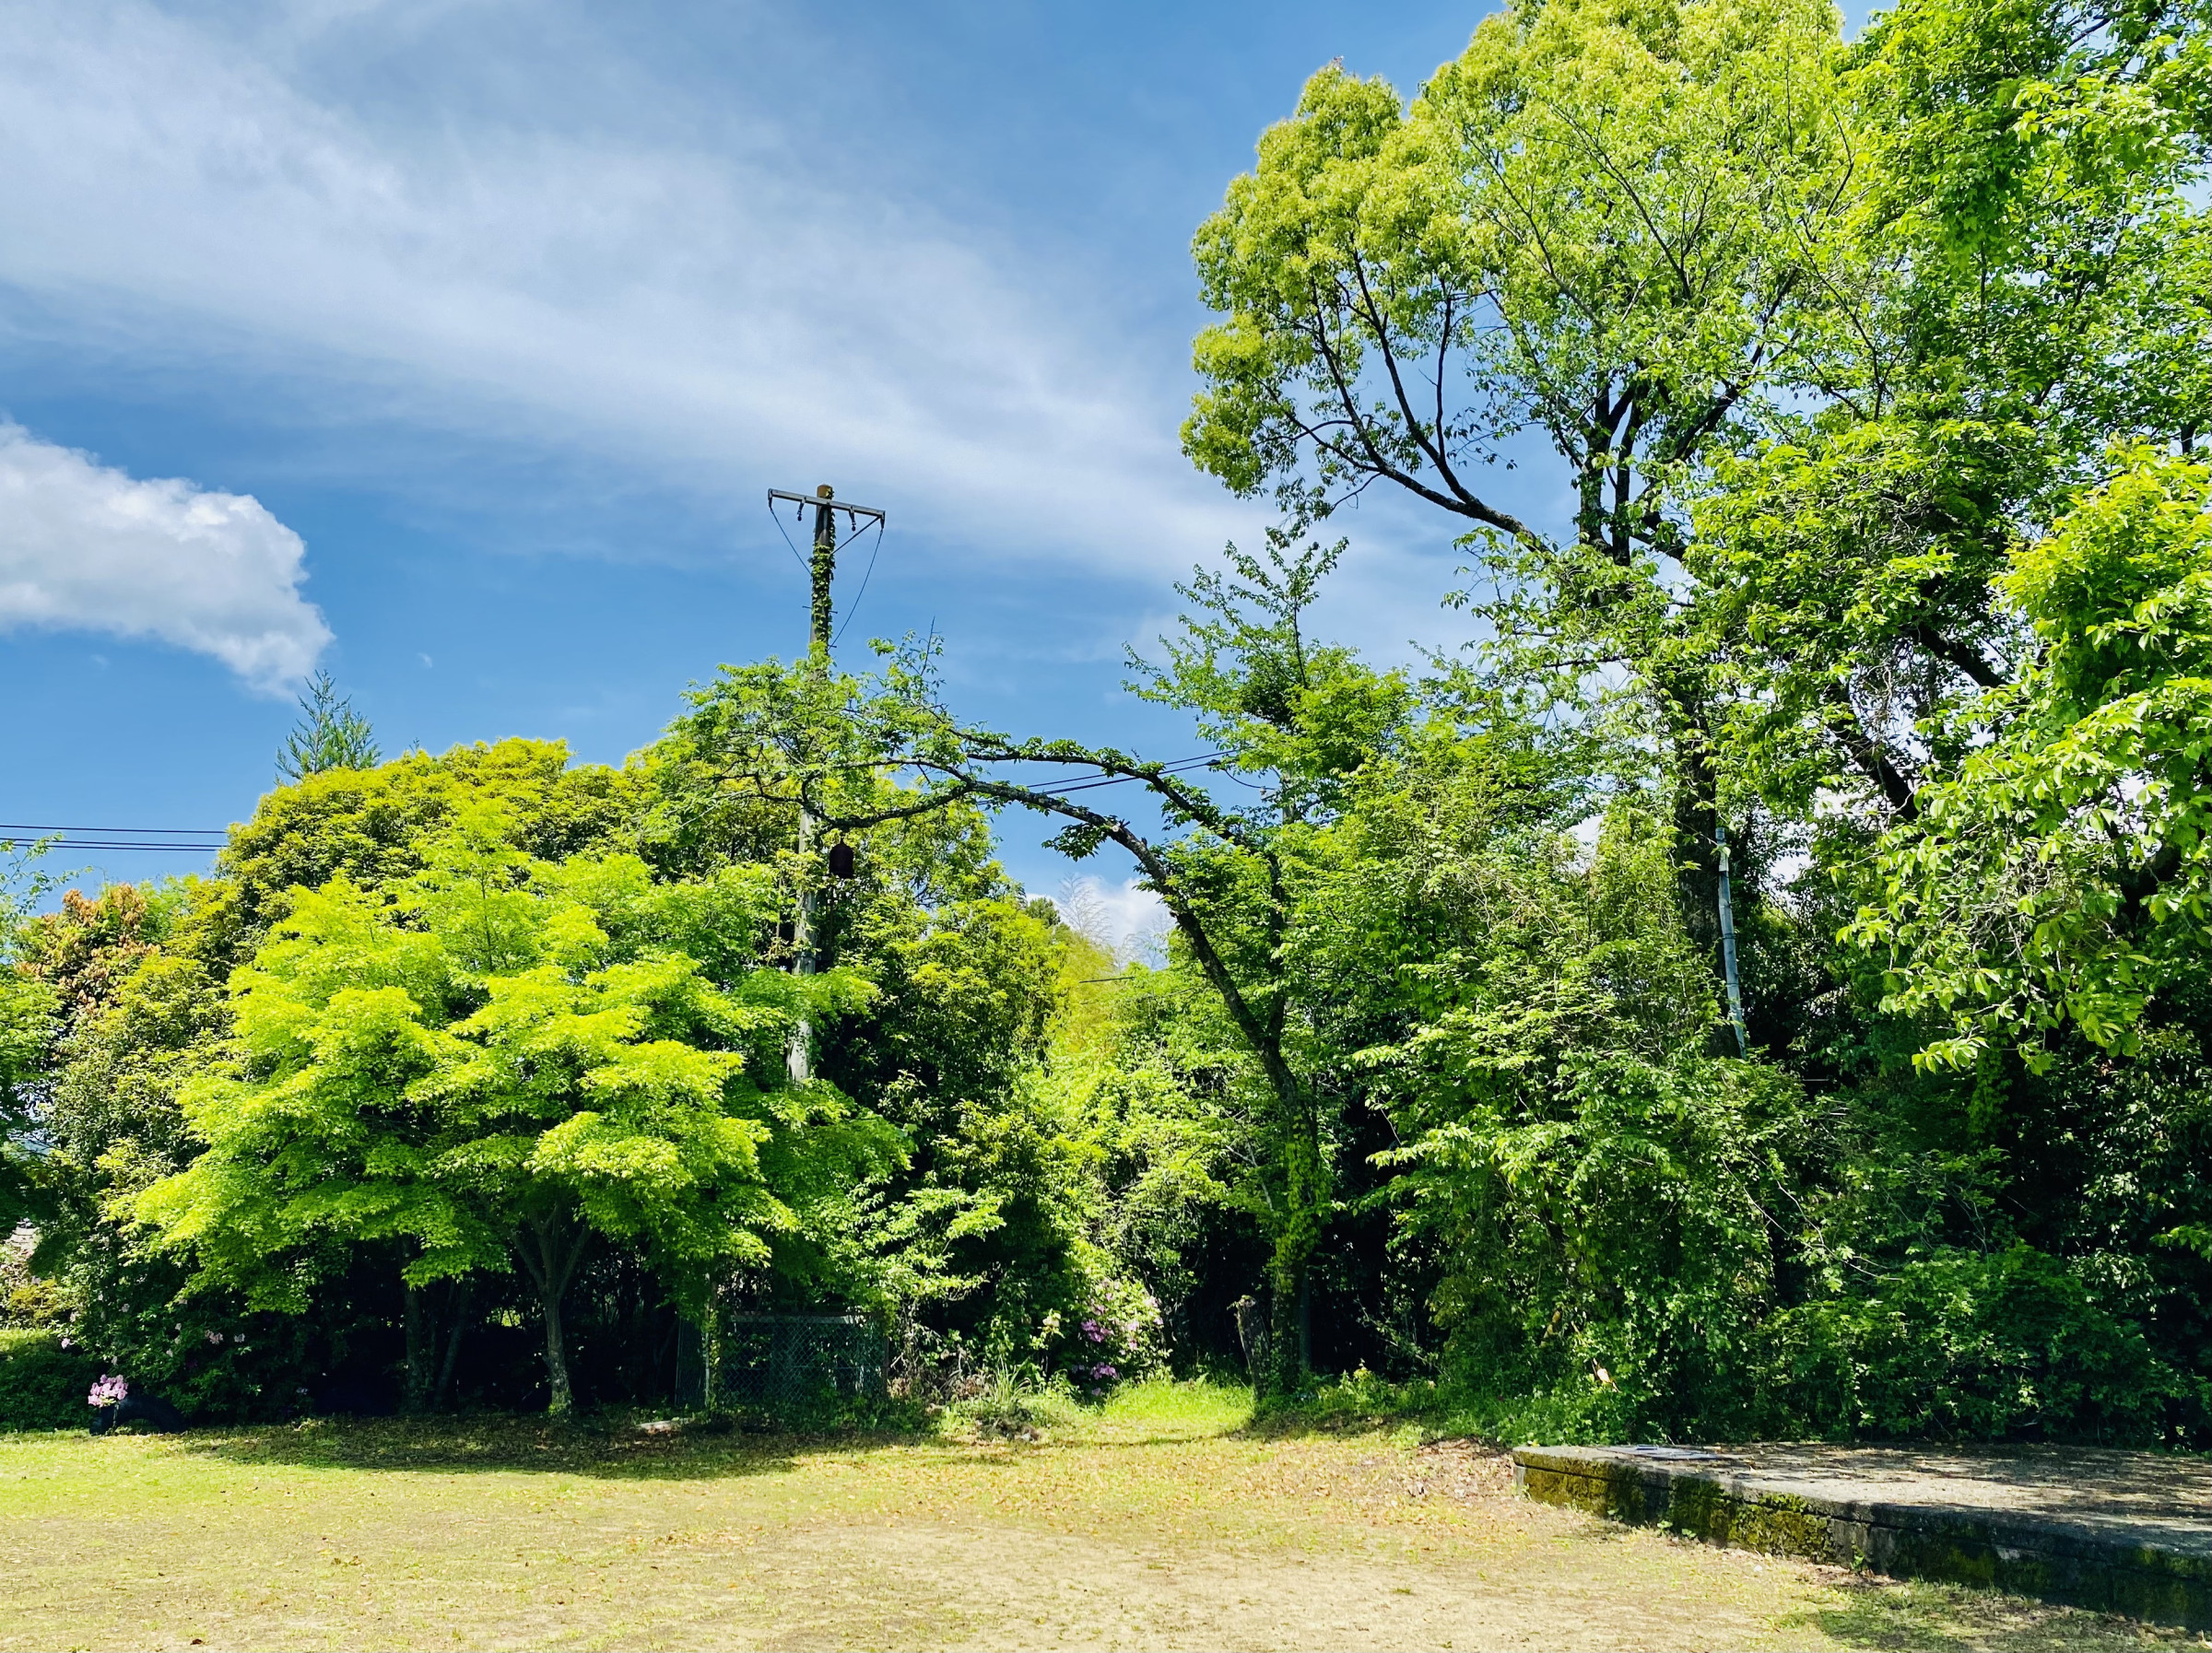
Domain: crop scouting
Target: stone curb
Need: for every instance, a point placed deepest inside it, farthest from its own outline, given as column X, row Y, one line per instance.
column 2029, row 1555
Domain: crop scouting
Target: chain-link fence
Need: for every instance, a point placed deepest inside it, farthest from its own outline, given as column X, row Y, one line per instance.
column 787, row 1364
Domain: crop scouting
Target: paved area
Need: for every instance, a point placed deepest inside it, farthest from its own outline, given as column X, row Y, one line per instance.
column 2128, row 1531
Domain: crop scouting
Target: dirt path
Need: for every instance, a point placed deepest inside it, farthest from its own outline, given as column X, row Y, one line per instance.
column 1138, row 1533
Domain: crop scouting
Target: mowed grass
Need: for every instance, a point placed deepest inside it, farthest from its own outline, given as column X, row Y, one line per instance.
column 1164, row 1520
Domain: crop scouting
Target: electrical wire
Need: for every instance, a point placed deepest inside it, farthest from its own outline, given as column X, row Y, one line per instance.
column 1083, row 783
column 776, row 517
column 73, row 844
column 157, row 840
column 868, row 575
column 181, row 840
column 797, row 556
column 222, row 832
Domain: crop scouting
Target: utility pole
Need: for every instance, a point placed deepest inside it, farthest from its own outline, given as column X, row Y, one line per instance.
column 821, row 569
column 1735, row 999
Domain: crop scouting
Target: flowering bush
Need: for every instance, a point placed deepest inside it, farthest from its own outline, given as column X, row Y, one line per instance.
column 1118, row 1338
column 42, row 1383
column 206, row 1355
column 109, row 1390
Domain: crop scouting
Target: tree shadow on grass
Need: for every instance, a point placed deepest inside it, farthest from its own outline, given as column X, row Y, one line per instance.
column 1340, row 1425
column 501, row 1444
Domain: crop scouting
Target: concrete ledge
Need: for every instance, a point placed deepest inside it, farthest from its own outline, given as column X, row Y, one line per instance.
column 2125, row 1533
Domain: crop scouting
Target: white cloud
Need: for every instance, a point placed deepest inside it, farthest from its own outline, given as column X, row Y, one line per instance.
column 686, row 294
column 1129, row 921
column 85, row 547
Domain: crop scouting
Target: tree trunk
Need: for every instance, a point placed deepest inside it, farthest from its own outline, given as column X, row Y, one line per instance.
column 463, row 1294
column 549, row 1255
column 419, row 1339
column 1696, row 821
column 557, row 1358
column 1305, row 1205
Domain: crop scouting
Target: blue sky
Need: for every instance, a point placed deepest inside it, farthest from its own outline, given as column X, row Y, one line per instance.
column 451, row 345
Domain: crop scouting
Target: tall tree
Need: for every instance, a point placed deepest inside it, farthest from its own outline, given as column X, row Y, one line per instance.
column 2038, row 287
column 1615, row 229
column 329, row 736
column 30, row 1020
column 1288, row 720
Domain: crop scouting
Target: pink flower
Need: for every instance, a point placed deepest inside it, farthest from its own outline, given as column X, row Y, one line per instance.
column 109, row 1390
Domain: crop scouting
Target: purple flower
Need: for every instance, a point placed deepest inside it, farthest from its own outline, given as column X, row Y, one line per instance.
column 1093, row 1331
column 108, row 1392
column 1104, row 1372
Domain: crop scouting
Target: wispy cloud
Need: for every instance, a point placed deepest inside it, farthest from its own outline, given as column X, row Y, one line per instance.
column 710, row 308
column 84, row 547
column 1126, row 919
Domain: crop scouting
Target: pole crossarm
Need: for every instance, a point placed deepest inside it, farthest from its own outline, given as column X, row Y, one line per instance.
column 855, row 511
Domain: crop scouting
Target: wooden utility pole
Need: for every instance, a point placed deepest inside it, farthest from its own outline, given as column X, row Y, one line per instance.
column 821, row 571
column 824, row 569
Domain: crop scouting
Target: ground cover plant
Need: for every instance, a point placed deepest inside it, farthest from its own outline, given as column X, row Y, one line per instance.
column 1164, row 1518
column 1749, row 980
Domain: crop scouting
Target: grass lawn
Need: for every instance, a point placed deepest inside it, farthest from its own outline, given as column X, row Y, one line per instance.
column 1164, row 1521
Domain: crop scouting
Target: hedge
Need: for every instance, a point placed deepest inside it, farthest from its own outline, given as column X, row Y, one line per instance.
column 43, row 1385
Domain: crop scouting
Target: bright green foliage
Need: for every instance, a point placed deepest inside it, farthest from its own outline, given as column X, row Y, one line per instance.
column 2032, row 167
column 30, row 1019
column 499, row 1058
column 136, row 1020
column 1851, row 610
column 371, row 825
column 1624, row 232
column 2062, row 876
column 2034, row 287
column 1598, row 1190
column 1603, row 222
column 43, row 1385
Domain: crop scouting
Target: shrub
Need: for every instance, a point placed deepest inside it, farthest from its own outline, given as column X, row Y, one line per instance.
column 42, row 1383
column 1117, row 1339
column 1979, row 1346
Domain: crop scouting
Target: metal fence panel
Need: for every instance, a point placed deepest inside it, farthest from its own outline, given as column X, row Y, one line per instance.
column 790, row 1363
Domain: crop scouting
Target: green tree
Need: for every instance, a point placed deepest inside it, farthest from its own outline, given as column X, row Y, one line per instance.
column 30, row 1020
column 329, row 736
column 493, row 1063
column 1596, row 1191
column 1290, row 719
column 373, row 826
column 2037, row 288
column 1620, row 230
column 2061, row 874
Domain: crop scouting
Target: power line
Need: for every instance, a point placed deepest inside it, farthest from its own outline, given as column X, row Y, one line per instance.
column 853, row 607
column 180, row 840
column 153, row 841
column 222, row 832
column 156, row 849
column 1083, row 783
